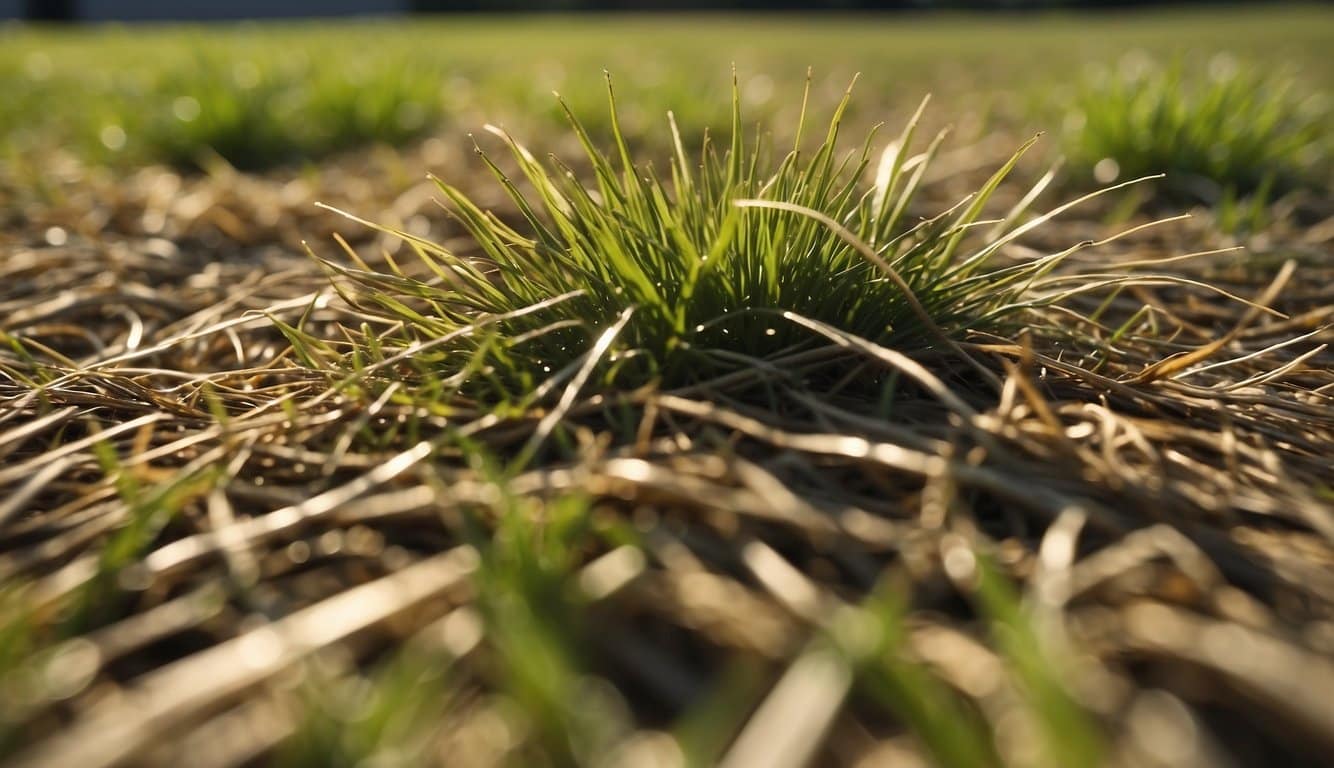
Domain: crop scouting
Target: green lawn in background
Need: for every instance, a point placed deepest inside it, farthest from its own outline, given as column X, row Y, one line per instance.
column 270, row 94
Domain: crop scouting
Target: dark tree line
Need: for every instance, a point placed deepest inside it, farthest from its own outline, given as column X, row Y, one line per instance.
column 438, row 6
column 49, row 10
column 64, row 10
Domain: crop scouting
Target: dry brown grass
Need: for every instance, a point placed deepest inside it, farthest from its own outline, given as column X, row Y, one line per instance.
column 1162, row 501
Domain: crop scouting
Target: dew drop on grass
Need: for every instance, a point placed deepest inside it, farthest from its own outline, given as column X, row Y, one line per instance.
column 1106, row 171
column 56, row 236
column 186, row 108
column 960, row 563
column 330, row 542
column 113, row 137
column 298, row 552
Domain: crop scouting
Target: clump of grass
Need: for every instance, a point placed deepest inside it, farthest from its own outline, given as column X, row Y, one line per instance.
column 949, row 730
column 535, row 619
column 259, row 112
column 1067, row 734
column 254, row 106
column 1231, row 132
column 725, row 261
column 390, row 716
column 151, row 509
column 18, row 643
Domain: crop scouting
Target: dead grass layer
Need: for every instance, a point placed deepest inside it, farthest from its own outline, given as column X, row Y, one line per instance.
column 1159, row 497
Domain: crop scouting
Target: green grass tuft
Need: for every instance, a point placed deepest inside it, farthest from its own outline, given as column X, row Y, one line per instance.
column 254, row 105
column 1237, row 131
column 724, row 261
column 266, row 111
column 389, row 717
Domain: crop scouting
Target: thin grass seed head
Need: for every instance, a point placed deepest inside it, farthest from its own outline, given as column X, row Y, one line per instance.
column 708, row 280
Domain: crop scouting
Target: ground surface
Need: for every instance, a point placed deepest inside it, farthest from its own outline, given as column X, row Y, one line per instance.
column 214, row 550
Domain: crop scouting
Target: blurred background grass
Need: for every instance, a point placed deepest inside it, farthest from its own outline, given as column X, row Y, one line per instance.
column 264, row 95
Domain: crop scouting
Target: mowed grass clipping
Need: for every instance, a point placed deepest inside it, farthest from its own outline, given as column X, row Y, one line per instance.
column 720, row 264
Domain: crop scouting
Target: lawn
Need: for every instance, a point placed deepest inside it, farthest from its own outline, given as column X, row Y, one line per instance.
column 363, row 402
